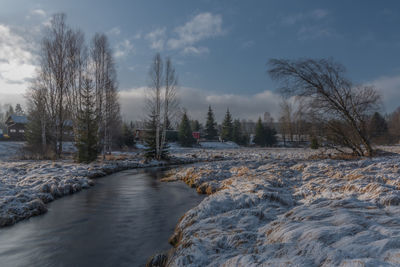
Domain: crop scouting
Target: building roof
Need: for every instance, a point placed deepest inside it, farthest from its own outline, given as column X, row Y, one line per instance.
column 17, row 119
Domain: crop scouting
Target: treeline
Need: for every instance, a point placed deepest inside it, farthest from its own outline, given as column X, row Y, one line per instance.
column 261, row 133
column 74, row 94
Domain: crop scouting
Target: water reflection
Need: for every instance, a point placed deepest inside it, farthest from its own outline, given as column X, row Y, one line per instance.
column 121, row 221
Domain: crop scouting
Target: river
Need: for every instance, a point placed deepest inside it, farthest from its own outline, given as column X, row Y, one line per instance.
column 121, row 221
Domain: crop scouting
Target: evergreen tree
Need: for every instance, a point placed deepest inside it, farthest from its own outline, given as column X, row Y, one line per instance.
column 128, row 137
column 211, row 131
column 196, row 127
column 10, row 111
column 227, row 127
column 19, row 110
column 270, row 136
column 264, row 136
column 237, row 134
column 185, row 132
column 378, row 129
column 259, row 138
column 86, row 134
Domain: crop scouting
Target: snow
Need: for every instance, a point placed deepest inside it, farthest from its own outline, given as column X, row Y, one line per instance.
column 27, row 186
column 219, row 145
column 279, row 208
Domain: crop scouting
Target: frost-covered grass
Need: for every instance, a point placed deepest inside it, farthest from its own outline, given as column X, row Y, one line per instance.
column 27, row 186
column 276, row 207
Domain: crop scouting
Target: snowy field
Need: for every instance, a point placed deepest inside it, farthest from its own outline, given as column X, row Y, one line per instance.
column 277, row 207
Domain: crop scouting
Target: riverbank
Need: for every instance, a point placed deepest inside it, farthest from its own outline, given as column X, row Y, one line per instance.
column 27, row 186
column 279, row 207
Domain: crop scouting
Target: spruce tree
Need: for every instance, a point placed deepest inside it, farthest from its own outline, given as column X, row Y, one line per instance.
column 259, row 138
column 265, row 136
column 195, row 126
column 86, row 135
column 211, row 131
column 237, row 135
column 185, row 132
column 270, row 136
column 227, row 127
column 128, row 137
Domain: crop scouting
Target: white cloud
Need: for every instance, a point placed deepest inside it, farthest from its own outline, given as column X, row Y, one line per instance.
column 314, row 15
column 195, row 50
column 156, row 38
column 315, row 32
column 124, row 48
column 114, row 31
column 16, row 62
column 202, row 26
column 196, row 102
column 389, row 87
column 38, row 12
column 248, row 44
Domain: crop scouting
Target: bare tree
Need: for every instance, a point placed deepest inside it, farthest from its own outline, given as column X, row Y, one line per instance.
column 340, row 106
column 161, row 100
column 286, row 123
column 107, row 105
column 170, row 98
column 56, row 73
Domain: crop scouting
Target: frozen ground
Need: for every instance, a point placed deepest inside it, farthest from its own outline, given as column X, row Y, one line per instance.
column 279, row 208
column 26, row 186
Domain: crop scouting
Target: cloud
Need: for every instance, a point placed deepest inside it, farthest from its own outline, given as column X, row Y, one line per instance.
column 157, row 39
column 314, row 32
column 124, row 48
column 195, row 50
column 389, row 87
column 248, row 44
column 16, row 62
column 196, row 102
column 202, row 26
column 114, row 31
column 311, row 25
column 38, row 12
column 314, row 15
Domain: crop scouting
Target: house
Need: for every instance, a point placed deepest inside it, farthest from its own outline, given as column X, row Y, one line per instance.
column 16, row 127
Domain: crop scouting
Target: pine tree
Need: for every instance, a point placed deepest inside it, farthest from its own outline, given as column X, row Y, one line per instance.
column 259, row 138
column 128, row 137
column 270, row 136
column 211, row 131
column 265, row 136
column 185, row 132
column 237, row 134
column 18, row 110
column 227, row 127
column 86, row 135
column 195, row 126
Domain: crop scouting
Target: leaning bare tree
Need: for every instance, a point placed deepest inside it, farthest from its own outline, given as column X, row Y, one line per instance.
column 341, row 107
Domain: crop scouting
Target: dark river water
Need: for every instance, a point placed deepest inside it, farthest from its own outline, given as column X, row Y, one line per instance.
column 121, row 221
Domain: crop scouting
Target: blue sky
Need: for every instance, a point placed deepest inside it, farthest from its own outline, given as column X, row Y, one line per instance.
column 219, row 48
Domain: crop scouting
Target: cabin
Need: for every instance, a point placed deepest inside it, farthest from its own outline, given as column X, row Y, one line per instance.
column 16, row 127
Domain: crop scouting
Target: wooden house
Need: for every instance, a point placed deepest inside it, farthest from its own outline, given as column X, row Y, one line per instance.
column 16, row 126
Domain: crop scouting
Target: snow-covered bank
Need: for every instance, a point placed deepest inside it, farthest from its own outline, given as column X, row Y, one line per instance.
column 26, row 186
column 278, row 208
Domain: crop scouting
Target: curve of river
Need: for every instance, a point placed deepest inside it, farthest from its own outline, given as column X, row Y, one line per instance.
column 121, row 221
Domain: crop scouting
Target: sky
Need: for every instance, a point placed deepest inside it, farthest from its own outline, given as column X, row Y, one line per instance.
column 220, row 48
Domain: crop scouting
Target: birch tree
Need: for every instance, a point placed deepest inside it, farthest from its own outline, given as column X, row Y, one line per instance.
column 340, row 106
column 161, row 104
